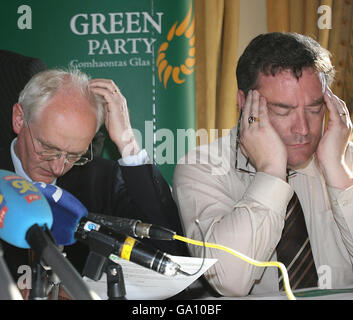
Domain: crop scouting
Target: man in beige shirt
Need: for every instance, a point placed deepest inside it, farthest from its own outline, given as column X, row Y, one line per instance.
column 239, row 186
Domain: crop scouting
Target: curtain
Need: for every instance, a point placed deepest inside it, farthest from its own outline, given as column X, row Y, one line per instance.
column 302, row 16
column 216, row 28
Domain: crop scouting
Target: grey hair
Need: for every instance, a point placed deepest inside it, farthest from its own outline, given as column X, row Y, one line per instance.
column 43, row 86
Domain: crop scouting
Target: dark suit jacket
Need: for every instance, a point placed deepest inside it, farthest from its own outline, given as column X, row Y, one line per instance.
column 105, row 187
column 15, row 72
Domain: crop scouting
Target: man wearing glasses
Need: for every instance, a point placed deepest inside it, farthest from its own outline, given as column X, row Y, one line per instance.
column 55, row 119
column 240, row 187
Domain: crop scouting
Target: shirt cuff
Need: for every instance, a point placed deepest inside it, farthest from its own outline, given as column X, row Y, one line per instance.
column 135, row 160
column 340, row 197
column 342, row 208
column 270, row 191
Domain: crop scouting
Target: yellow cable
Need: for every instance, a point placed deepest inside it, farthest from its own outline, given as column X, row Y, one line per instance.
column 247, row 259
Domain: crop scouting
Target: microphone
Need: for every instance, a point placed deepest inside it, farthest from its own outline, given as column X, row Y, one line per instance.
column 72, row 222
column 57, row 197
column 21, row 206
column 112, row 243
column 132, row 227
column 25, row 217
column 76, row 210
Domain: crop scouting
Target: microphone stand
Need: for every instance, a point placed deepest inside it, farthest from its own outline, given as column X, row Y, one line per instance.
column 54, row 286
column 98, row 262
column 43, row 245
column 44, row 283
column 8, row 288
column 115, row 281
column 39, row 276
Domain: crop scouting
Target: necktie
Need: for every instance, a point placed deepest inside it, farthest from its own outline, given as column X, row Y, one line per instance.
column 294, row 249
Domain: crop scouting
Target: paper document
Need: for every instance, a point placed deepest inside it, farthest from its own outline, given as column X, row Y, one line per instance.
column 145, row 284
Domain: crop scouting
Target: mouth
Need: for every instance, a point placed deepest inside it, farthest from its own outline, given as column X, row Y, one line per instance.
column 46, row 173
column 299, row 145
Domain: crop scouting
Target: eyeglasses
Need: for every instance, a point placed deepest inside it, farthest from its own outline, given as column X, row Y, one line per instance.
column 290, row 173
column 72, row 159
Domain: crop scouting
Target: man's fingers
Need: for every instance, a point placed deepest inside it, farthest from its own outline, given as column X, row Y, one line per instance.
column 104, row 84
column 246, row 110
column 263, row 115
column 336, row 107
column 107, row 95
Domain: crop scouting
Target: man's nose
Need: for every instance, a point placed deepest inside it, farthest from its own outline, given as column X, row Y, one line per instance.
column 301, row 125
column 57, row 166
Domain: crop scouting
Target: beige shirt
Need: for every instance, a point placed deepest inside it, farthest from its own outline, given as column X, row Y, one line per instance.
column 246, row 212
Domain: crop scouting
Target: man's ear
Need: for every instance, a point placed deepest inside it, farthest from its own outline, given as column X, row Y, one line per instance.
column 241, row 99
column 17, row 118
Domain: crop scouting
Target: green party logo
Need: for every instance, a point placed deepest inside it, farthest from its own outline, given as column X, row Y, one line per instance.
column 182, row 34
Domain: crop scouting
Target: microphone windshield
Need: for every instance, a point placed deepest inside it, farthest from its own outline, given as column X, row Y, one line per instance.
column 67, row 211
column 21, row 206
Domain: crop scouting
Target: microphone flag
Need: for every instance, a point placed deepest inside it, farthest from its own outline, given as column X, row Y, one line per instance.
column 67, row 212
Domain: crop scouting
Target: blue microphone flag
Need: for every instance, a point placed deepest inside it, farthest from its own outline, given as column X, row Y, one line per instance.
column 21, row 206
column 67, row 211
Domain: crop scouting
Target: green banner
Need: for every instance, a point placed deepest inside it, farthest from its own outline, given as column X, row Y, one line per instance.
column 146, row 46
